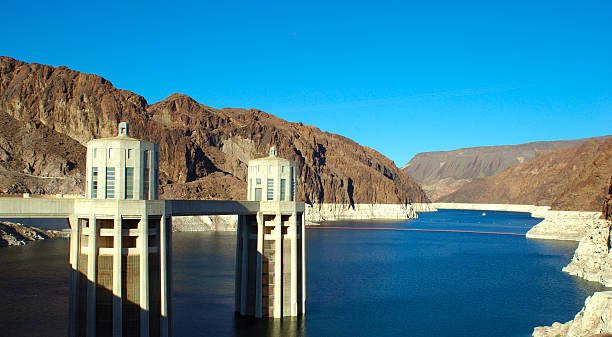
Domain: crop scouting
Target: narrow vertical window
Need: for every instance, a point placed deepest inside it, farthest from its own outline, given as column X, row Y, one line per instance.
column 257, row 188
column 270, row 189
column 145, row 176
column 110, row 182
column 129, row 153
column 94, row 181
column 95, row 152
column 292, row 184
column 129, row 183
column 249, row 189
column 155, row 174
column 282, row 188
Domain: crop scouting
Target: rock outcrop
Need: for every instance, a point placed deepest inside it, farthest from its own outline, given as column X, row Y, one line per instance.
column 572, row 179
column 594, row 320
column 443, row 172
column 203, row 151
column 15, row 234
column 592, row 259
column 565, row 225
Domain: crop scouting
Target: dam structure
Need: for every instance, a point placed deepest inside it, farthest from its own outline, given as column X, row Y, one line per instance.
column 121, row 240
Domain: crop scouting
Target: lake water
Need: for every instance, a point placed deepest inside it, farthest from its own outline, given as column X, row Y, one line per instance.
column 359, row 282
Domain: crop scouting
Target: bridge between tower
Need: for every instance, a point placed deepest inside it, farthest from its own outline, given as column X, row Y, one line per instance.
column 67, row 207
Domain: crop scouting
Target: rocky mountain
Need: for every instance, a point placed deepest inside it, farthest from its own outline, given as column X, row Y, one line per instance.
column 49, row 113
column 575, row 178
column 443, row 172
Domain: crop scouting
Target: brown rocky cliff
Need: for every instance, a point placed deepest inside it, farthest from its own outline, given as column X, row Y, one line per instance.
column 566, row 179
column 203, row 151
column 443, row 172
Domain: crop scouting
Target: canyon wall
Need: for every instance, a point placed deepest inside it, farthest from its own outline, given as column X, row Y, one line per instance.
column 572, row 179
column 443, row 172
column 49, row 113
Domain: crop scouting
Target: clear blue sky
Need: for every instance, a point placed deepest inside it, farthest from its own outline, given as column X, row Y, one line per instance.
column 401, row 77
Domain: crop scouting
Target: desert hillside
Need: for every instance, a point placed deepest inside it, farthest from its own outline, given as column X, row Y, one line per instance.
column 443, row 172
column 575, row 178
column 49, row 113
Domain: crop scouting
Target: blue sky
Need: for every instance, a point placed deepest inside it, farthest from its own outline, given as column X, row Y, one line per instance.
column 401, row 77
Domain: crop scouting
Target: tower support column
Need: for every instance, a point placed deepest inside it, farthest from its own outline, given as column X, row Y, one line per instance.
column 92, row 263
column 164, row 224
column 117, row 276
column 75, row 246
column 303, row 263
column 294, row 263
column 278, row 265
column 144, row 274
column 244, row 233
column 260, row 252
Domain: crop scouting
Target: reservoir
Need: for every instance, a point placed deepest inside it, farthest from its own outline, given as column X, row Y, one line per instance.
column 360, row 282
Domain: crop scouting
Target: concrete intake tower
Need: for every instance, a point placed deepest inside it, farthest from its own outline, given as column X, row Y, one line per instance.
column 270, row 251
column 119, row 250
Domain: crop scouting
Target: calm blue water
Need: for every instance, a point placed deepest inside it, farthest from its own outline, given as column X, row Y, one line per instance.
column 394, row 283
column 359, row 282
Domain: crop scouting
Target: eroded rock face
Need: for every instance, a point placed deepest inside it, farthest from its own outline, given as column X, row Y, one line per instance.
column 34, row 159
column 595, row 319
column 443, row 172
column 203, row 151
column 592, row 259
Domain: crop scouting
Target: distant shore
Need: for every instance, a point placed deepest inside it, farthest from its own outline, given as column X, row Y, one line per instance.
column 16, row 234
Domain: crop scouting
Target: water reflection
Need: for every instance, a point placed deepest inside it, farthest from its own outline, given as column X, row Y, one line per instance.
column 285, row 327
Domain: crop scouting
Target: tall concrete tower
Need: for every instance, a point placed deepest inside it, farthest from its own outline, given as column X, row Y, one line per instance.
column 120, row 244
column 270, row 251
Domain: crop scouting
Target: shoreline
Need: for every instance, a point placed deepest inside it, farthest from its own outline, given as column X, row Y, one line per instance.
column 16, row 234
column 314, row 215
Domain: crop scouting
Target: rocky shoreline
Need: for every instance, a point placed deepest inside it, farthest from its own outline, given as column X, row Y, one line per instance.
column 594, row 320
column 318, row 213
column 592, row 261
column 536, row 211
column 315, row 214
column 16, row 234
column 565, row 225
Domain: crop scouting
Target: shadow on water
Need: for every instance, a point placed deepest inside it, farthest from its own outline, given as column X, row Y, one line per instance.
column 95, row 305
column 286, row 327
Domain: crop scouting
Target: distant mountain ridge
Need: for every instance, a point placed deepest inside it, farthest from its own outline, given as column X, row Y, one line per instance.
column 49, row 113
column 575, row 178
column 443, row 172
